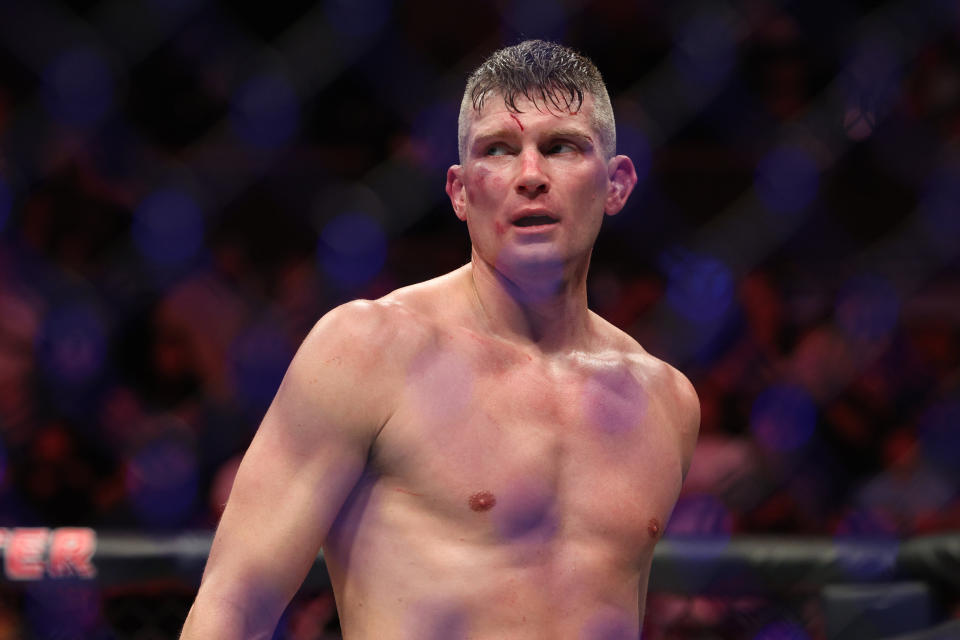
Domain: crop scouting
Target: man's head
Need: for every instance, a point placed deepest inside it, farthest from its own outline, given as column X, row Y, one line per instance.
column 550, row 76
column 537, row 168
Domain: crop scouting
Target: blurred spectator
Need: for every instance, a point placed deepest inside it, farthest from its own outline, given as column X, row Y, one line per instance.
column 138, row 350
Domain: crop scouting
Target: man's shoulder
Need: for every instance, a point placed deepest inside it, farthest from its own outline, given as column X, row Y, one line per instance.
column 663, row 384
column 654, row 373
column 430, row 300
column 672, row 389
column 399, row 323
column 374, row 327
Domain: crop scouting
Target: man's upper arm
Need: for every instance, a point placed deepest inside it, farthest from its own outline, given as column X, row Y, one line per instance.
column 688, row 413
column 306, row 457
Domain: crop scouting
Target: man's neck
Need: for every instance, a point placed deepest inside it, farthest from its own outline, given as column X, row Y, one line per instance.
column 546, row 308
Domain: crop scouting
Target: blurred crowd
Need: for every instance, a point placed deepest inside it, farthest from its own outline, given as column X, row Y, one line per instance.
column 185, row 188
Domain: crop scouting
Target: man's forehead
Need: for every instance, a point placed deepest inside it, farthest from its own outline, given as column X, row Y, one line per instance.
column 495, row 113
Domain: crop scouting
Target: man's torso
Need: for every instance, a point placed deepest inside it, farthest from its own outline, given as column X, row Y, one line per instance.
column 511, row 494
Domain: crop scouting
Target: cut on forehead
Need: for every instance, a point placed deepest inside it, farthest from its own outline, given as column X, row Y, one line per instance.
column 492, row 116
column 543, row 102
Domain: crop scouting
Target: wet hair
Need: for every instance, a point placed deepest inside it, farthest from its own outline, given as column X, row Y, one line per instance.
column 549, row 75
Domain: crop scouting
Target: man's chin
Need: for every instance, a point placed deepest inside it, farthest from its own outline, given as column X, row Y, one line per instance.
column 531, row 261
column 538, row 272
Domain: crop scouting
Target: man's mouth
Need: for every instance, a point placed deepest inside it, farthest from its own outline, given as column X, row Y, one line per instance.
column 533, row 221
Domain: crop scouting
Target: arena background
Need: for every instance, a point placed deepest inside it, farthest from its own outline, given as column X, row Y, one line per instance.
column 187, row 185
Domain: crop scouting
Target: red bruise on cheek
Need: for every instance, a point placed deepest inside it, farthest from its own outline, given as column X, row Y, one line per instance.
column 499, row 227
column 481, row 176
column 517, row 120
column 482, row 501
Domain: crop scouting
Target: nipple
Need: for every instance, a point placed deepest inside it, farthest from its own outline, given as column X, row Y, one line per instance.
column 482, row 501
column 653, row 528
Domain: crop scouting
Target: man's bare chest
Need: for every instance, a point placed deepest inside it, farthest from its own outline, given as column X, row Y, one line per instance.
column 522, row 450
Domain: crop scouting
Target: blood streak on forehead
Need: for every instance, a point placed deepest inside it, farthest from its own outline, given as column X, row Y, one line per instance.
column 517, row 120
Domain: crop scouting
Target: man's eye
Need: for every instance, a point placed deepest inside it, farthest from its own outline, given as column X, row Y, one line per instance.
column 496, row 150
column 561, row 147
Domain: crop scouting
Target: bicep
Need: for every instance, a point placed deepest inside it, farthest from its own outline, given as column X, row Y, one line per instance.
column 307, row 455
column 280, row 508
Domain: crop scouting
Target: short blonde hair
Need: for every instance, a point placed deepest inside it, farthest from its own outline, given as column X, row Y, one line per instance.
column 545, row 73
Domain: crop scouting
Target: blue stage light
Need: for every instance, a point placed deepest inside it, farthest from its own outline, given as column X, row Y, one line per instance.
column 861, row 523
column 782, row 631
column 72, row 346
column 259, row 358
column 352, row 249
column 78, row 87
column 266, row 111
column 783, row 418
column 168, row 228
column 787, row 180
column 700, row 288
column 358, row 18
column 939, row 433
column 435, row 133
column 162, row 483
column 868, row 308
column 704, row 51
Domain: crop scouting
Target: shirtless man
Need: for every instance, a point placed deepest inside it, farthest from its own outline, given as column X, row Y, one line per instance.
column 479, row 456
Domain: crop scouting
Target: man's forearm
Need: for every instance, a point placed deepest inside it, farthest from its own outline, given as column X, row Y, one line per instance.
column 212, row 618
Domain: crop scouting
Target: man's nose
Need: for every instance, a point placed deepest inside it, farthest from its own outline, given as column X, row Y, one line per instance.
column 532, row 180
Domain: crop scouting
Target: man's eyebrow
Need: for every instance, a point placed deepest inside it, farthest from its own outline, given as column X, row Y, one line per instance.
column 564, row 132
column 486, row 136
column 571, row 133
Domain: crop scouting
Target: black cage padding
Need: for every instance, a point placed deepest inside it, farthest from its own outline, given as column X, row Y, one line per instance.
column 741, row 565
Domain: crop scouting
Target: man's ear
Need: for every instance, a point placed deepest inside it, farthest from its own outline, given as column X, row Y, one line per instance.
column 623, row 178
column 456, row 191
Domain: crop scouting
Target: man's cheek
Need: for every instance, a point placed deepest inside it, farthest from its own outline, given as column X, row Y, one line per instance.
column 486, row 184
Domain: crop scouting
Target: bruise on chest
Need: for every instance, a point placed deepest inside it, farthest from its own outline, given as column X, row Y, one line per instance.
column 631, row 469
